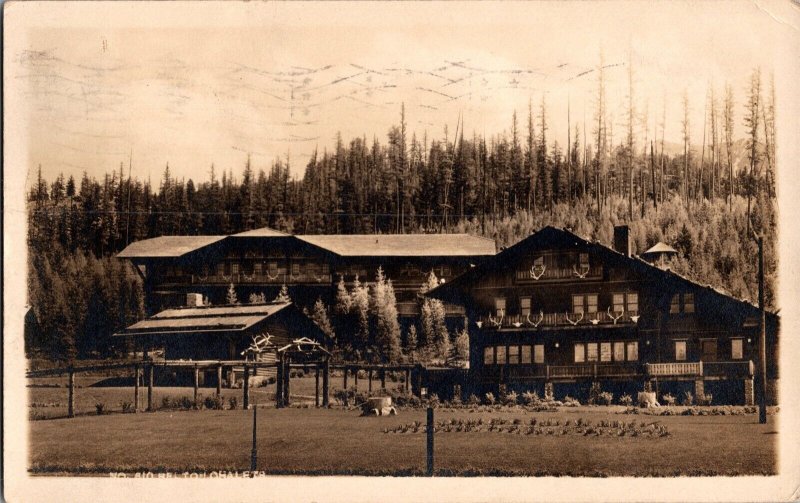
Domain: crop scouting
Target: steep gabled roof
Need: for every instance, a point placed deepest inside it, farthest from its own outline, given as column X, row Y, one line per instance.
column 167, row 246
column 562, row 237
column 407, row 245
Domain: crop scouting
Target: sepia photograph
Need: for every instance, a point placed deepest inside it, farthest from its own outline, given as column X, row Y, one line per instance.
column 367, row 251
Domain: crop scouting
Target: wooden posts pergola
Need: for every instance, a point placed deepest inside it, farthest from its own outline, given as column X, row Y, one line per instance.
column 306, row 352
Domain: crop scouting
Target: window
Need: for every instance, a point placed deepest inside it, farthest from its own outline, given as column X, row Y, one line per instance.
column 605, row 351
column 257, row 267
column 633, row 351
column 736, row 349
column 577, row 304
column 591, row 352
column 513, row 355
column 325, row 269
column 501, row 355
column 488, row 355
column 538, row 353
column 584, row 259
column 633, row 302
column 500, row 306
column 273, row 267
column 688, row 303
column 295, row 269
column 446, row 270
column 619, row 351
column 526, row 355
column 538, row 262
column 619, row 302
column 580, row 353
column 524, row 306
column 680, row 351
column 675, row 304
column 591, row 303
column 221, row 268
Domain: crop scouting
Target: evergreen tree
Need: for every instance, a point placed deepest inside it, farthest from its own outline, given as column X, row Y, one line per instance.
column 319, row 314
column 283, row 295
column 231, row 296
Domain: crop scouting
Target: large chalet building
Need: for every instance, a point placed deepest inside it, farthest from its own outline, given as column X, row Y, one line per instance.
column 558, row 312
column 261, row 261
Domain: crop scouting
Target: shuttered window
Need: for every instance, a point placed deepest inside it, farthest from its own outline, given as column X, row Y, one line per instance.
column 488, row 355
column 525, row 355
column 580, row 353
column 737, row 349
column 538, row 353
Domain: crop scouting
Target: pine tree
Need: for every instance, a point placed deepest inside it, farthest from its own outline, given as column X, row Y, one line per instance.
column 231, row 297
column 360, row 310
column 258, row 298
column 411, row 342
column 283, row 295
column 383, row 307
column 319, row 314
column 461, row 347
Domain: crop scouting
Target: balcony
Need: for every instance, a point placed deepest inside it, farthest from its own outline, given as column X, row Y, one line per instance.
column 664, row 371
column 276, row 278
column 535, row 275
column 549, row 320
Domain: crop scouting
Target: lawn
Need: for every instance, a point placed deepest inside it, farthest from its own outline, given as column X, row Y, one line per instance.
column 326, row 441
column 48, row 396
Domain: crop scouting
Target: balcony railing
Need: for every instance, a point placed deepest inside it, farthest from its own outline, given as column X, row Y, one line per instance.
column 276, row 278
column 552, row 273
column 412, row 309
column 729, row 370
column 540, row 320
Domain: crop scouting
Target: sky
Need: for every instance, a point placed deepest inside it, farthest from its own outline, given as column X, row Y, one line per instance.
column 202, row 83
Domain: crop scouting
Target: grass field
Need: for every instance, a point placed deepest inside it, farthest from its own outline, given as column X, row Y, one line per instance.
column 48, row 397
column 331, row 441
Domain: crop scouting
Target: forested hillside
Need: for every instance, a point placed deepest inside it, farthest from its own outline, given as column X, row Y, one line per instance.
column 706, row 201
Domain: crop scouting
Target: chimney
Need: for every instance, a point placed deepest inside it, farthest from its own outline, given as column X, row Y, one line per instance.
column 622, row 240
column 194, row 299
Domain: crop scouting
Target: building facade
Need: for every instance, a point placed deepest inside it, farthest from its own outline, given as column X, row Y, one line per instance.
column 261, row 261
column 556, row 313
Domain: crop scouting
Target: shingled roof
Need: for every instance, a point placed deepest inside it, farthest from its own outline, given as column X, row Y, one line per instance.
column 167, row 246
column 196, row 320
column 262, row 232
column 405, row 245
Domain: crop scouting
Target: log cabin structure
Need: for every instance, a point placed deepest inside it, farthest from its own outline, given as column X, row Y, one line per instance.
column 262, row 260
column 556, row 313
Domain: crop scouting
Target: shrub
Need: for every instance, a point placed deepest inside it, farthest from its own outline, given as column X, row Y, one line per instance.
column 233, row 403
column 530, row 398
column 489, row 398
column 705, row 399
column 456, row 401
column 166, row 403
column 510, row 398
column 688, row 398
column 570, row 402
column 605, row 398
column 433, row 400
column 594, row 393
column 126, row 407
column 271, row 380
column 668, row 399
column 100, row 407
column 184, row 402
column 214, row 402
column 473, row 400
column 626, row 400
column 300, row 373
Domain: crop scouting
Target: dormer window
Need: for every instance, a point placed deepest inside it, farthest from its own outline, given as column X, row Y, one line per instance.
column 583, row 259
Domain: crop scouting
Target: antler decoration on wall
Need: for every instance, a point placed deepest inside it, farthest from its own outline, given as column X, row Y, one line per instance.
column 615, row 318
column 540, row 268
column 537, row 322
column 583, row 272
column 635, row 318
column 495, row 322
column 566, row 315
column 271, row 277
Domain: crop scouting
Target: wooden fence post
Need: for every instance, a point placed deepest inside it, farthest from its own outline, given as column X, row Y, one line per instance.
column 150, row 389
column 355, row 378
column 430, row 441
column 219, row 380
column 136, row 388
column 71, row 403
column 316, row 385
column 279, row 383
column 369, row 377
column 196, row 382
column 383, row 379
column 286, row 377
column 344, row 384
column 408, row 380
column 246, row 388
column 326, row 372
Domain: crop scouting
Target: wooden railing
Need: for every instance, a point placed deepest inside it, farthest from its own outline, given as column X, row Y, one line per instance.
column 539, row 320
column 552, row 273
column 675, row 369
column 729, row 369
column 276, row 278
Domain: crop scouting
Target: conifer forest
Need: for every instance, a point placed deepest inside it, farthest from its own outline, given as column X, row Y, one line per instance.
column 707, row 200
